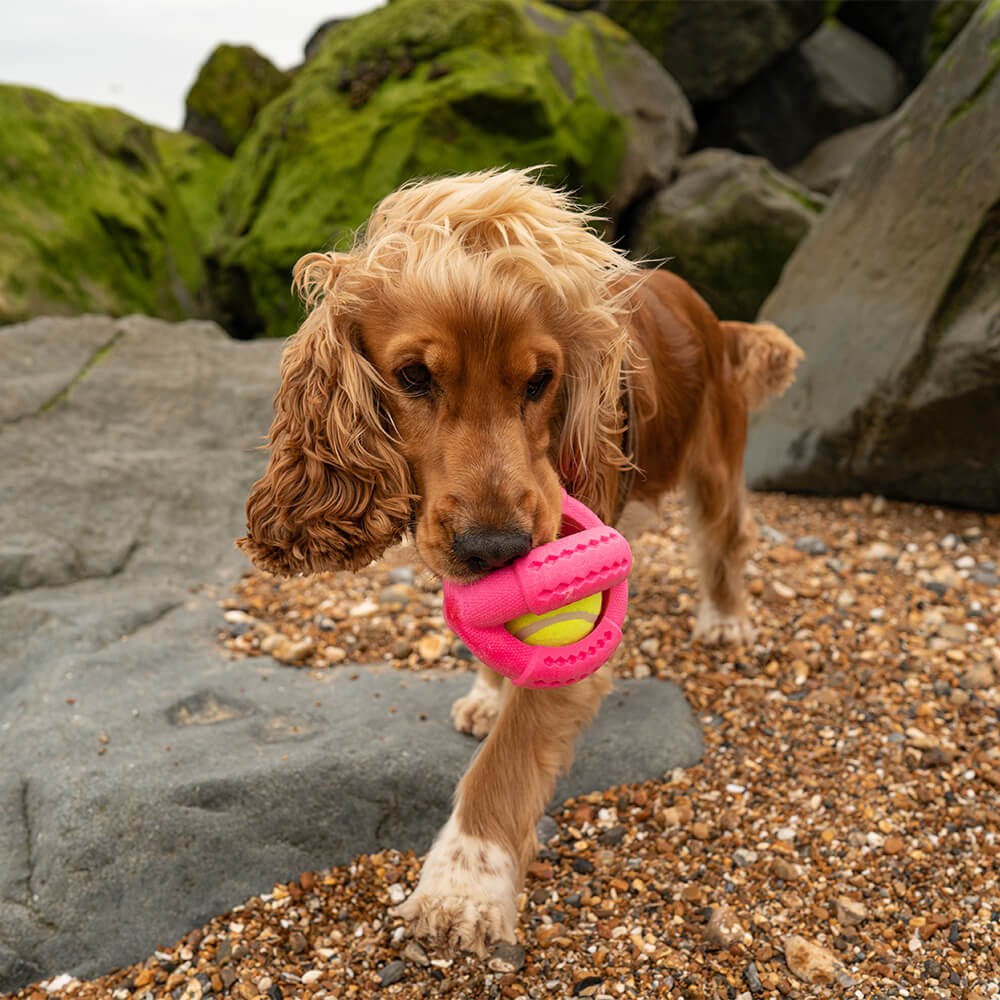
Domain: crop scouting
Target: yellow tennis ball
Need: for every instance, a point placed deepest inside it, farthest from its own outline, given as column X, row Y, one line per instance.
column 561, row 627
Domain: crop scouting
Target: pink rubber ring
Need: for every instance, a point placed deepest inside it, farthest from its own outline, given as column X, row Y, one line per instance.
column 589, row 558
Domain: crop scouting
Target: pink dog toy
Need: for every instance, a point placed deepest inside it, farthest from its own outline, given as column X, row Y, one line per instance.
column 589, row 558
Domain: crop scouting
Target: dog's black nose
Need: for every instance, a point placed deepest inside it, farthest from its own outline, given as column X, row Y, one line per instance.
column 484, row 549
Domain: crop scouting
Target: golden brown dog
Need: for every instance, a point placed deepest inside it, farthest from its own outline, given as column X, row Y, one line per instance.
column 478, row 349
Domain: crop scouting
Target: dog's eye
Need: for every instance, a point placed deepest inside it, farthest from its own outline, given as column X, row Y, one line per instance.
column 415, row 379
column 537, row 384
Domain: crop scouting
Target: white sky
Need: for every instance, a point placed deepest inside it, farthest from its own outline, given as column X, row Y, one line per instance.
column 143, row 55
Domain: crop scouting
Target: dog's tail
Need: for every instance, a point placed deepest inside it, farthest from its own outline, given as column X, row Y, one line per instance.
column 765, row 359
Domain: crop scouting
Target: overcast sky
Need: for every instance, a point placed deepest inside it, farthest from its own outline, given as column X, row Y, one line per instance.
column 143, row 55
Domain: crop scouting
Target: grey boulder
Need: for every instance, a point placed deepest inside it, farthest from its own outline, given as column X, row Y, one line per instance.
column 147, row 781
column 833, row 159
column 894, row 298
column 727, row 225
column 834, row 80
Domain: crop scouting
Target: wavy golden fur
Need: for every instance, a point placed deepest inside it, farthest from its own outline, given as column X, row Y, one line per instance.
column 478, row 349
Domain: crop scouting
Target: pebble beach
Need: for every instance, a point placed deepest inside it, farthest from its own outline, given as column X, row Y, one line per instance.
column 839, row 838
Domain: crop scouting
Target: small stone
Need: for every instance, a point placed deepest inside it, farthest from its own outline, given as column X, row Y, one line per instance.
column 297, row 942
column 546, row 934
column 752, row 978
column 271, row 642
column 293, row 652
column 787, row 871
column 881, row 550
column 398, row 596
column 365, row 609
column 401, row 574
column 744, row 857
column 811, row 546
column 772, row 535
column 776, row 592
column 541, row 870
column 723, row 929
column 546, row 829
column 614, row 835
column 701, row 830
column 506, row 958
column 397, row 893
column 845, row 599
column 641, row 671
column 978, row 677
column 850, row 912
column 432, row 647
column 650, row 647
column 893, row 844
column 813, row 964
column 785, row 555
column 390, row 973
column 334, row 654
column 414, row 952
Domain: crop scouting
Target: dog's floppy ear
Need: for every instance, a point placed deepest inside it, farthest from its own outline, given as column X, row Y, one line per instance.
column 590, row 457
column 336, row 492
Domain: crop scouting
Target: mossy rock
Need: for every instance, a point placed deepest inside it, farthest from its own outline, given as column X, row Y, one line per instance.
column 232, row 86
column 100, row 212
column 711, row 49
column 417, row 88
column 727, row 225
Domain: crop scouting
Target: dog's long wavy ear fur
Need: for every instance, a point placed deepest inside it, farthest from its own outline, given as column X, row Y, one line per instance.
column 590, row 437
column 591, row 460
column 336, row 492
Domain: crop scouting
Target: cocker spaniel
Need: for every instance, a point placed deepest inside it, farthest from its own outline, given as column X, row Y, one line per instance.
column 477, row 350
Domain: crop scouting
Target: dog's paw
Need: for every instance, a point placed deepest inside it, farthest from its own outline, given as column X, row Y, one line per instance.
column 477, row 711
column 715, row 628
column 465, row 899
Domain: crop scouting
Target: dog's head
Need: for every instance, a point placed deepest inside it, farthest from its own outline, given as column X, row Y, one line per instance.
column 456, row 368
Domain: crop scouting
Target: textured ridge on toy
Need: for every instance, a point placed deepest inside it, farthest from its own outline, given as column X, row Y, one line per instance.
column 591, row 558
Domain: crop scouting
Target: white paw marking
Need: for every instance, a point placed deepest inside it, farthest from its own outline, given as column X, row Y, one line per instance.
column 466, row 897
column 716, row 628
column 478, row 710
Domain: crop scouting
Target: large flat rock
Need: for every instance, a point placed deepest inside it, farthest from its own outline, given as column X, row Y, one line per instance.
column 893, row 297
column 148, row 781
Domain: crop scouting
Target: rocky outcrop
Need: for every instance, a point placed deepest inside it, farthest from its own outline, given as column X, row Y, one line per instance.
column 709, row 49
column 833, row 81
column 427, row 87
column 893, row 296
column 121, row 231
column 727, row 225
column 147, row 780
column 913, row 32
column 233, row 85
column 833, row 159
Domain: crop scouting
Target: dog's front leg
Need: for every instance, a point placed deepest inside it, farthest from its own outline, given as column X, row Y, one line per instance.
column 467, row 894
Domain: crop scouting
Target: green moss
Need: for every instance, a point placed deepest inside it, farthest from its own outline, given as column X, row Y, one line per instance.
column 418, row 88
column 947, row 20
column 729, row 231
column 647, row 22
column 91, row 217
column 95, row 359
column 231, row 88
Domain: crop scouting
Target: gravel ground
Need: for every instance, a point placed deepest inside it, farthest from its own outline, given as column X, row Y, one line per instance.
column 839, row 839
